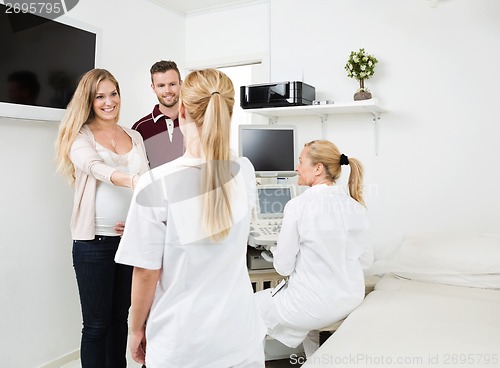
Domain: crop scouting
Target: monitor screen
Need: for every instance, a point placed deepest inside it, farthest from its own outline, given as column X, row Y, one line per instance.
column 42, row 61
column 272, row 200
column 270, row 148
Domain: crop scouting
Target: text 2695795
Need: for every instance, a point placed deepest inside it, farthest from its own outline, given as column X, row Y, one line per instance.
column 37, row 8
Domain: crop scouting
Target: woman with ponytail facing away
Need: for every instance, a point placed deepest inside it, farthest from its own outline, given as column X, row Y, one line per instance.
column 321, row 249
column 186, row 237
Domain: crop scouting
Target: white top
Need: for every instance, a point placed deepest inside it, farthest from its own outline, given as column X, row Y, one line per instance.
column 112, row 202
column 89, row 170
column 203, row 313
column 321, row 248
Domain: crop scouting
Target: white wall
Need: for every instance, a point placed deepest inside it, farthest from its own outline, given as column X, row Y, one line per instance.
column 437, row 163
column 40, row 317
column 231, row 35
column 436, row 76
column 39, row 307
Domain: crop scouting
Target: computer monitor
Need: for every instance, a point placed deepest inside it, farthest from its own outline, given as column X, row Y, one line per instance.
column 271, row 200
column 270, row 148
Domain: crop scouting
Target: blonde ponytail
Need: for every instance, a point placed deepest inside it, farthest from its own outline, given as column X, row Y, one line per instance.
column 209, row 99
column 356, row 180
column 326, row 153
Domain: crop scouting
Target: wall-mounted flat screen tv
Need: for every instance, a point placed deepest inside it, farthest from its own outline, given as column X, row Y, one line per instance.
column 41, row 62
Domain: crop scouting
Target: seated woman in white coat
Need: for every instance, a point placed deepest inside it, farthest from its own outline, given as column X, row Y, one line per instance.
column 321, row 250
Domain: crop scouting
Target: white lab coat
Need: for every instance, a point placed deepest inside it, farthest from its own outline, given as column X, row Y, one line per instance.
column 321, row 248
column 204, row 313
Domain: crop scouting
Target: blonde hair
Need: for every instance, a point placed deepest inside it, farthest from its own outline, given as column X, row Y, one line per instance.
column 78, row 113
column 208, row 96
column 326, row 153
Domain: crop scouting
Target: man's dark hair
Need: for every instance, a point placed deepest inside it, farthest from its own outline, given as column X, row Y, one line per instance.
column 163, row 66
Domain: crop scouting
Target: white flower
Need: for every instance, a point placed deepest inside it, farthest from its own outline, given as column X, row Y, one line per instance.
column 360, row 65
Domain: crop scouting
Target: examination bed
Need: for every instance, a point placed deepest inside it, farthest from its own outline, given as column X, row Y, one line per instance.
column 439, row 306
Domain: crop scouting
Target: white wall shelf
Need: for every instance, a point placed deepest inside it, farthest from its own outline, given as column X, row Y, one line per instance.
column 371, row 106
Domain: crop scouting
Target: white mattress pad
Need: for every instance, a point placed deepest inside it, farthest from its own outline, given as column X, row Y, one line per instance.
column 406, row 323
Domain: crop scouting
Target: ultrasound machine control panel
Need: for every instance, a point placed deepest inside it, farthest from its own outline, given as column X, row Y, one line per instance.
column 268, row 214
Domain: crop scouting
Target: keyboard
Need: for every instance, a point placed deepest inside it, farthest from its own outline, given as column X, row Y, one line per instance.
column 264, row 233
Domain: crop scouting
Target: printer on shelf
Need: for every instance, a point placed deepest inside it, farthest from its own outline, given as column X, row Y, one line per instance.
column 276, row 95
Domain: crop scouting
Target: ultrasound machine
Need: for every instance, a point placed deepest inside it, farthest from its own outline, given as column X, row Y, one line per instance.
column 271, row 148
column 268, row 214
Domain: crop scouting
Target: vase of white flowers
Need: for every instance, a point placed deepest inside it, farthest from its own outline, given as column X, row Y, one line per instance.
column 361, row 66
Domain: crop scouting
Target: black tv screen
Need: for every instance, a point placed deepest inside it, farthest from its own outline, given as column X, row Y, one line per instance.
column 270, row 148
column 42, row 60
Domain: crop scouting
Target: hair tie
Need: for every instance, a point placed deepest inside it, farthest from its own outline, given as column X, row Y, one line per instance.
column 213, row 93
column 344, row 160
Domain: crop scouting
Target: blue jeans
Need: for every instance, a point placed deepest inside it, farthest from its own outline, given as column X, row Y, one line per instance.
column 104, row 288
